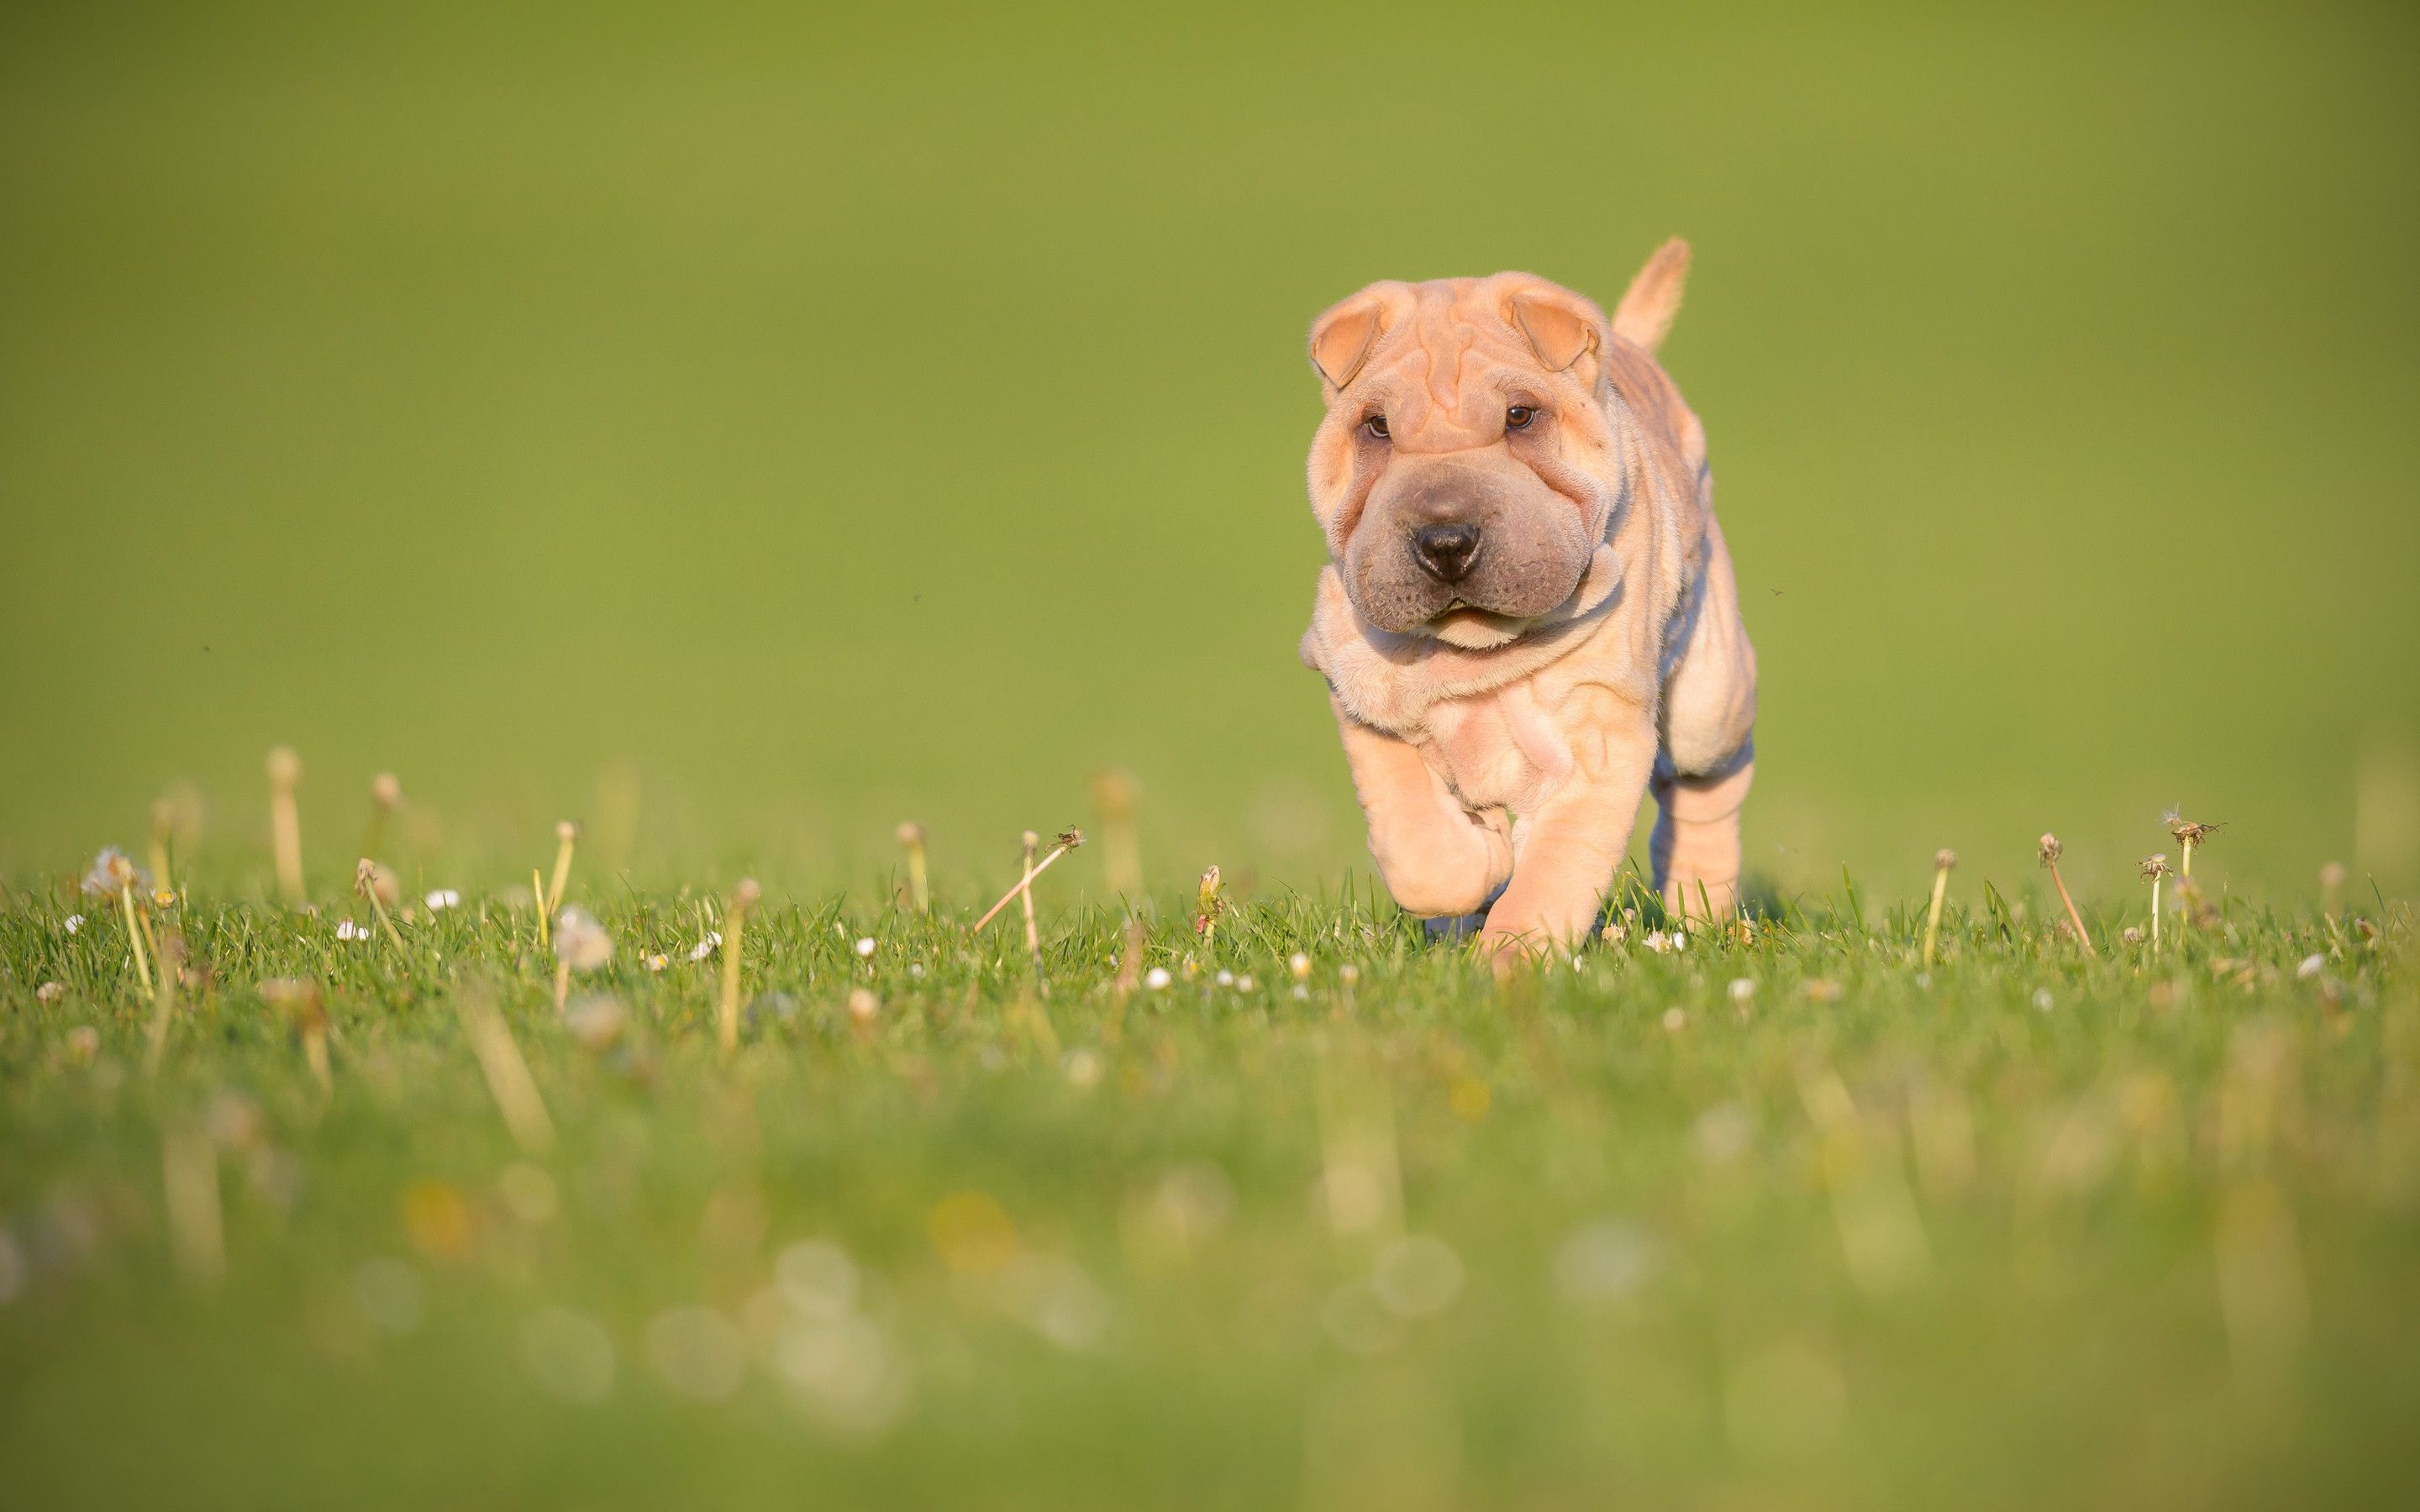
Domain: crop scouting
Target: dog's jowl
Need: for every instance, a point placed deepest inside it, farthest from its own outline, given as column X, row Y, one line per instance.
column 1527, row 620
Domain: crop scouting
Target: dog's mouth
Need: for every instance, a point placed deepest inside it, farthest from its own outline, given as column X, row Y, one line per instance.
column 1472, row 628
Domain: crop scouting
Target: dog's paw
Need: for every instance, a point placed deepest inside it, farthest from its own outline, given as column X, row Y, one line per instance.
column 1507, row 950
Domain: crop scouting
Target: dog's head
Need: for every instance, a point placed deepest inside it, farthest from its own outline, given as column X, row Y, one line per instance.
column 1471, row 454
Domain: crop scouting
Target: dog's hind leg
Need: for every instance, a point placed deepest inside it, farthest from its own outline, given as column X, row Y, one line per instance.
column 1696, row 844
column 1709, row 755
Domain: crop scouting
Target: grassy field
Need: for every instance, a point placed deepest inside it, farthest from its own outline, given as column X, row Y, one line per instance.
column 844, row 413
column 1312, row 1211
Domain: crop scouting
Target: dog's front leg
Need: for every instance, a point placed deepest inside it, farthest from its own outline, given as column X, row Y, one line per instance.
column 1575, row 842
column 1436, row 856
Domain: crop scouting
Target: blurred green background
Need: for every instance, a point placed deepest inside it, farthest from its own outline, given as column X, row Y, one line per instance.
column 835, row 419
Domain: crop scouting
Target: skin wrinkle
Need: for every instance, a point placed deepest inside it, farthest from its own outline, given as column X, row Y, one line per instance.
column 1613, row 648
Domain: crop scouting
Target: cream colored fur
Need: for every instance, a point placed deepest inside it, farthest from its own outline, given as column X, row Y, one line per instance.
column 1501, row 758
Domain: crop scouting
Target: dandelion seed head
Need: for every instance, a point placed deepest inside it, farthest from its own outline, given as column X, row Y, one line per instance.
column 1156, row 978
column 285, row 766
column 1944, row 858
column 386, row 790
column 566, row 831
column 111, row 871
column 2050, row 849
column 595, row 1021
column 865, row 947
column 2155, row 866
column 581, row 942
column 911, row 834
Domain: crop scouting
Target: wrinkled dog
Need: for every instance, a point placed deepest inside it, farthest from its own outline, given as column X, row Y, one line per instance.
column 1527, row 620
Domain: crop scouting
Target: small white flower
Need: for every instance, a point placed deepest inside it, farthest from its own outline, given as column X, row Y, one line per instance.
column 1657, row 941
column 1226, row 979
column 1244, row 983
column 916, row 968
column 2311, row 967
column 865, row 948
column 658, row 961
column 74, row 922
column 707, row 946
column 1743, row 988
column 442, row 899
column 2042, row 998
column 1300, row 964
column 1156, row 978
column 347, row 931
column 1674, row 1018
column 1082, row 1067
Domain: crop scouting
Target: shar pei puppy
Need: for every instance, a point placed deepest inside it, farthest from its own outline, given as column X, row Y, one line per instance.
column 1527, row 620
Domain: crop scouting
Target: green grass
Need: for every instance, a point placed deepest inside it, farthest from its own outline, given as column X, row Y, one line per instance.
column 2024, row 1230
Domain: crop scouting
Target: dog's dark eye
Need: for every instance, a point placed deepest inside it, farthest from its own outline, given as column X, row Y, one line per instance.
column 1375, row 426
column 1518, row 417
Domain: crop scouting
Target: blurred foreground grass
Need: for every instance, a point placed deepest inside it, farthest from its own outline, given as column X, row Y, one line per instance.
column 1781, row 1220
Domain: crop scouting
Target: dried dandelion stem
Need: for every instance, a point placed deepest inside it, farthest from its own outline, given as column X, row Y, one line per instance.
column 2332, row 881
column 299, row 1000
column 1025, row 896
column 2189, row 837
column 735, row 925
column 285, row 822
column 164, row 824
column 386, row 792
column 508, row 1074
column 164, row 1004
column 2050, row 854
column 566, row 834
column 920, row 888
column 365, row 883
column 134, row 936
column 537, row 896
column 1068, row 841
column 2155, row 867
column 1941, row 861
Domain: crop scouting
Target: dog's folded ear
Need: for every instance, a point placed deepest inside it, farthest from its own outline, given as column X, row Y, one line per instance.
column 1342, row 339
column 1561, row 327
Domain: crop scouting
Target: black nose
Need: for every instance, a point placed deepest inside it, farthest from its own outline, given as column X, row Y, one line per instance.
column 1446, row 552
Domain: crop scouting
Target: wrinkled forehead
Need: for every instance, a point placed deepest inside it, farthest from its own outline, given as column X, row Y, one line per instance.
column 1449, row 350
